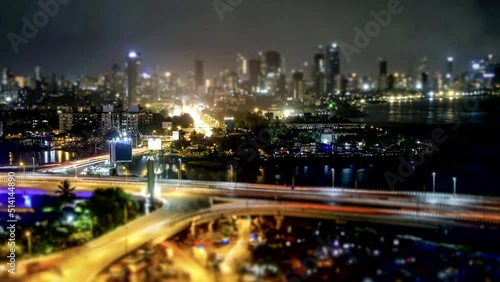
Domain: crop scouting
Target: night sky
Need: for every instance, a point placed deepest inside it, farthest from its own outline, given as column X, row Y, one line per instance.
column 87, row 37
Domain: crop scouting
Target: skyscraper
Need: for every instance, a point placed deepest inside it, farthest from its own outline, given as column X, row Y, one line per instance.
column 133, row 69
column 382, row 75
column 423, row 75
column 254, row 73
column 198, row 73
column 382, row 66
column 36, row 71
column 271, row 62
column 318, row 72
column 298, row 85
column 333, row 65
column 319, row 62
column 242, row 68
column 272, row 70
column 449, row 68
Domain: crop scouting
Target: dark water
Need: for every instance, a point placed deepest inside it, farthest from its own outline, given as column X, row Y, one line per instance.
column 41, row 157
column 436, row 111
column 471, row 153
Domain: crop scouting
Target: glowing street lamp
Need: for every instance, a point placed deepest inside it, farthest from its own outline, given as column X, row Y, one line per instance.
column 24, row 168
column 180, row 171
column 433, row 182
column 28, row 236
column 333, row 178
column 454, row 186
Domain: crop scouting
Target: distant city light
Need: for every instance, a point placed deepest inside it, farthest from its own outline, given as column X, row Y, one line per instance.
column 132, row 55
column 450, row 59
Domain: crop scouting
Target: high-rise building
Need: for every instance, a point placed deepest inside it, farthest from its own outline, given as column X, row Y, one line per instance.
column 382, row 74
column 36, row 71
column 422, row 81
column 254, row 73
column 319, row 62
column 449, row 68
column 272, row 70
column 318, row 72
column 198, row 73
column 298, row 86
column 333, row 66
column 271, row 62
column 133, row 69
column 242, row 67
column 382, row 66
column 5, row 76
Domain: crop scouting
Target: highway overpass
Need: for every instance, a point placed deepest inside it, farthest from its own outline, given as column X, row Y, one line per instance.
column 402, row 208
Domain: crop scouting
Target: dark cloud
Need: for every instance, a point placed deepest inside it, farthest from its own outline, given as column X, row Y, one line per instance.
column 89, row 36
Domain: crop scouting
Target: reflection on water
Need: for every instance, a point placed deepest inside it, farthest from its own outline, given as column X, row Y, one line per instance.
column 41, row 157
column 438, row 111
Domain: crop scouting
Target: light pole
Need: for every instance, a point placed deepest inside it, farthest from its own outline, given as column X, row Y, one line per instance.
column 433, row 182
column 33, row 164
column 24, row 168
column 28, row 236
column 180, row 171
column 125, row 171
column 76, row 172
column 232, row 177
column 333, row 178
column 454, row 186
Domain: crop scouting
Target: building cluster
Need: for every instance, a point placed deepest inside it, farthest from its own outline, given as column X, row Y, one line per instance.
column 262, row 80
column 105, row 119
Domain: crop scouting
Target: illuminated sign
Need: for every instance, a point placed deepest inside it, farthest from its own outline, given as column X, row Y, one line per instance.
column 154, row 144
column 175, row 135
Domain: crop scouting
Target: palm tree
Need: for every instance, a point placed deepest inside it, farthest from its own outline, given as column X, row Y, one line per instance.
column 66, row 192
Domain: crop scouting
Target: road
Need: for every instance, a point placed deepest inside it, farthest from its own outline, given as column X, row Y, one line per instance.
column 419, row 209
column 417, row 200
column 87, row 261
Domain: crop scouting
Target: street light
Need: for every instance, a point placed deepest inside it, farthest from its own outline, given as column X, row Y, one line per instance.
column 24, row 168
column 433, row 182
column 28, row 236
column 454, row 186
column 33, row 164
column 333, row 178
column 180, row 171
column 125, row 172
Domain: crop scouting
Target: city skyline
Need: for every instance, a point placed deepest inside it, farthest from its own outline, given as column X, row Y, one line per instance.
column 200, row 33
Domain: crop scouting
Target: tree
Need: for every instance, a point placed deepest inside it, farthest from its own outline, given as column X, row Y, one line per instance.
column 110, row 208
column 184, row 121
column 66, row 192
column 251, row 121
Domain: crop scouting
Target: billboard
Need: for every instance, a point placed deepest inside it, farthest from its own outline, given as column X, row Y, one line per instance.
column 154, row 144
column 175, row 135
column 166, row 125
column 120, row 151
